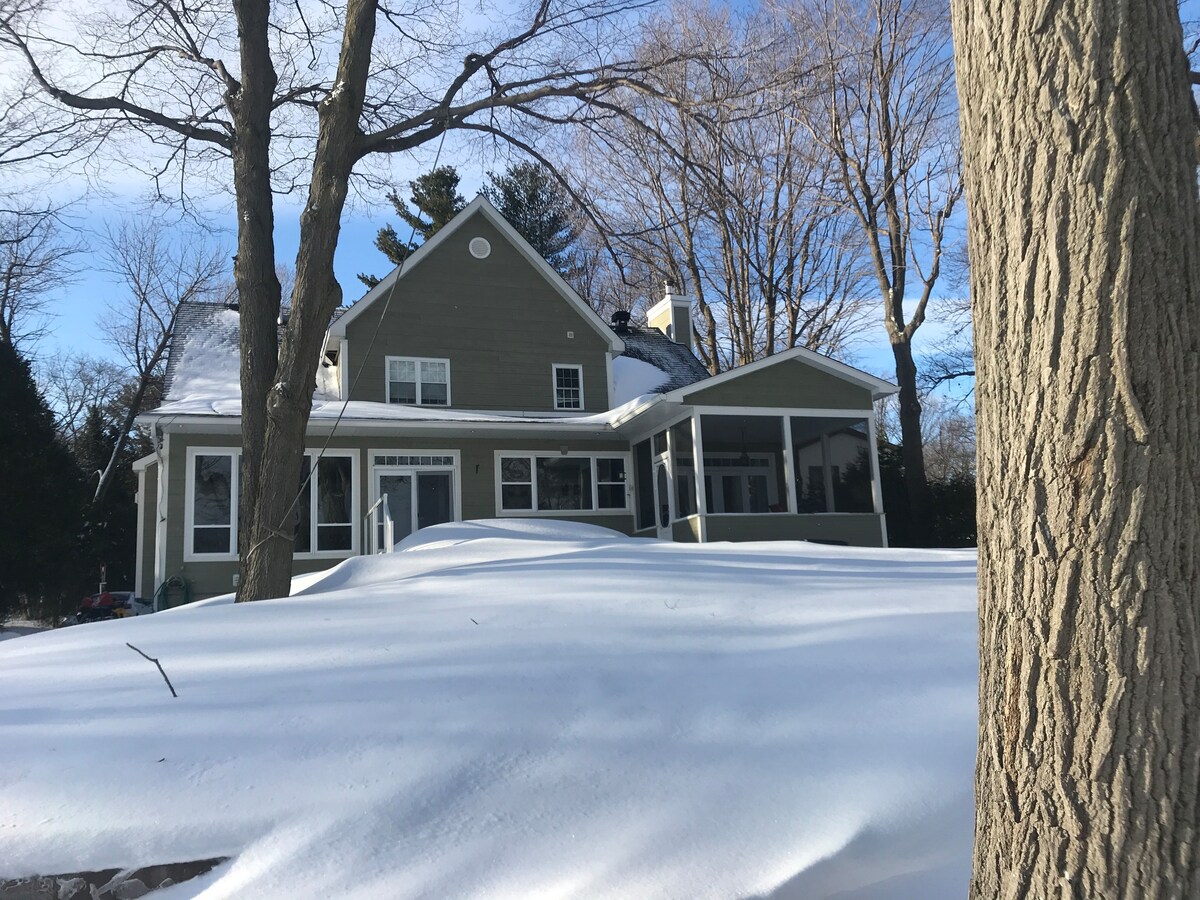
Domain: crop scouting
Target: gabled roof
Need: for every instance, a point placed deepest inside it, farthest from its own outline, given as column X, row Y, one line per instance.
column 482, row 206
column 675, row 360
column 877, row 386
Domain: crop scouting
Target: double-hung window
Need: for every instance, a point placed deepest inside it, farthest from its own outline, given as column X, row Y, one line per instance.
column 330, row 491
column 417, row 381
column 530, row 482
column 212, row 503
column 568, row 386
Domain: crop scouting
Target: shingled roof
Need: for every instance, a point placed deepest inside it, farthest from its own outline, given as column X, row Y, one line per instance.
column 215, row 326
column 652, row 346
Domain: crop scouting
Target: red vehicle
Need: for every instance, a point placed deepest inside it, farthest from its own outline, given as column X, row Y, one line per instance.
column 107, row 605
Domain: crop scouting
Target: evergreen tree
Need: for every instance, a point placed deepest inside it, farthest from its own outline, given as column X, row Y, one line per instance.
column 40, row 495
column 109, row 532
column 435, row 195
column 536, row 205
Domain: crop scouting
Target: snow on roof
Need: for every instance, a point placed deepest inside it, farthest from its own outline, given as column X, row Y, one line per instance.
column 649, row 345
column 575, row 715
column 204, row 357
column 633, row 378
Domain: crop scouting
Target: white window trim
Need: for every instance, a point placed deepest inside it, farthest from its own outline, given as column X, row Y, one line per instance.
column 355, row 515
column 455, row 468
column 554, row 368
column 536, row 513
column 189, row 503
column 387, row 381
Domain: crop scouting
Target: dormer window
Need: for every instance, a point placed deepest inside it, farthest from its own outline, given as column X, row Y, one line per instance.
column 568, row 387
column 417, row 381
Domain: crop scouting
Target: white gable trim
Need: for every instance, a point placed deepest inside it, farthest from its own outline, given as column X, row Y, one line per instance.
column 877, row 386
column 483, row 206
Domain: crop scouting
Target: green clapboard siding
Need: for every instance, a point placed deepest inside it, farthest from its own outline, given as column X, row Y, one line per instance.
column 476, row 471
column 498, row 320
column 791, row 383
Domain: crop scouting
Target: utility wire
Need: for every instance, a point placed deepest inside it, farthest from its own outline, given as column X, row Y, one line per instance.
column 278, row 530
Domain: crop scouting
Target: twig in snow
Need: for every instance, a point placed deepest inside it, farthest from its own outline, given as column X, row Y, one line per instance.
column 160, row 668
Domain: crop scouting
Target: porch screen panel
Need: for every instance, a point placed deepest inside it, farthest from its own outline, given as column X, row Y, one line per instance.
column 832, row 464
column 685, row 469
column 744, row 460
column 644, row 483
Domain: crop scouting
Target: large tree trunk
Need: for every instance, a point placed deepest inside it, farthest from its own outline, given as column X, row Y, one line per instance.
column 267, row 563
column 1084, row 228
column 254, row 269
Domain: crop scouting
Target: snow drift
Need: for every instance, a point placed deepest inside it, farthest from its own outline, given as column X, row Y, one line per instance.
column 518, row 710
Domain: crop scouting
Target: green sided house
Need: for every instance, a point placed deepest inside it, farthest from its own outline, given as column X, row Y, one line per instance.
column 483, row 386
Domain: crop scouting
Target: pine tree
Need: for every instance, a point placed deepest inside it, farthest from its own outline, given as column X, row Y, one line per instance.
column 434, row 194
column 536, row 205
column 109, row 532
column 40, row 495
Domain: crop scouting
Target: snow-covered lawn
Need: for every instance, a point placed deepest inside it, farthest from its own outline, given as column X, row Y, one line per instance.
column 518, row 710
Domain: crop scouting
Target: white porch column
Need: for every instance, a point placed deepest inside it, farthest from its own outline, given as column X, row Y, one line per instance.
column 701, row 491
column 789, row 466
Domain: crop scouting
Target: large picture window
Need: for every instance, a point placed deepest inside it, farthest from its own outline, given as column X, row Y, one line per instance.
column 330, row 491
column 557, row 482
column 214, row 503
column 417, row 381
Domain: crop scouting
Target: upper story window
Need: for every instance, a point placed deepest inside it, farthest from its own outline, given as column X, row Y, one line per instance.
column 568, row 387
column 418, row 381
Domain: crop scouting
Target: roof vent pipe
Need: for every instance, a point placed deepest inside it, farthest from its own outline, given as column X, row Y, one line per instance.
column 620, row 320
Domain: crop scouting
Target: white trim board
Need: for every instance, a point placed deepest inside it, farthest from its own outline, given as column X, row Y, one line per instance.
column 878, row 387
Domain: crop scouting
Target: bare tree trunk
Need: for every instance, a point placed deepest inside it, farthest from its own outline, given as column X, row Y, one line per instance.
column 1084, row 227
column 912, row 444
column 267, row 563
column 254, row 271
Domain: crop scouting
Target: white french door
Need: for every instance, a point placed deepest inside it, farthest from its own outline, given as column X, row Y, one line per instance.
column 417, row 498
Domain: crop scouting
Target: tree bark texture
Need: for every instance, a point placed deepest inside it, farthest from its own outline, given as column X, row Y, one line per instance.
column 267, row 562
column 1081, row 187
column 254, row 271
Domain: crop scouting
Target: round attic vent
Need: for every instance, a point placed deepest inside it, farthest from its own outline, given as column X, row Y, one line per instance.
column 479, row 247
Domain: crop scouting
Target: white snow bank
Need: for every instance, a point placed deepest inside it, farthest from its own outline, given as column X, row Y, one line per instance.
column 633, row 378
column 576, row 715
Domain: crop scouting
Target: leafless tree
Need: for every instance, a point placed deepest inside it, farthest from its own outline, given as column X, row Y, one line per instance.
column 298, row 97
column 1080, row 155
column 888, row 119
column 73, row 385
column 158, row 274
column 736, row 208
column 34, row 262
